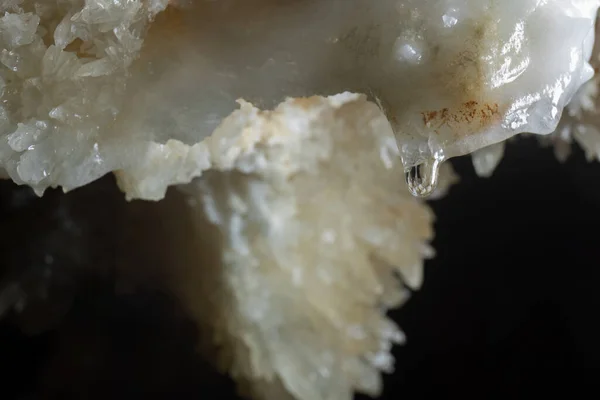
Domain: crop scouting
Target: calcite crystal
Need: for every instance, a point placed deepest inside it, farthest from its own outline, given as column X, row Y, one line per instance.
column 312, row 239
column 580, row 122
column 303, row 231
column 452, row 76
column 64, row 65
column 84, row 95
column 290, row 250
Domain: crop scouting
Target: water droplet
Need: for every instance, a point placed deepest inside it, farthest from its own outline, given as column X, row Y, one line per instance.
column 422, row 179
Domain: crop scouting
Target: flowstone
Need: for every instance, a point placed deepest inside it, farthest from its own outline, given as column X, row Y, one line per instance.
column 303, row 233
column 90, row 87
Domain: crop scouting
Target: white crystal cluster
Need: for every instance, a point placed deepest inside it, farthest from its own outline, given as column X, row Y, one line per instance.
column 452, row 76
column 83, row 95
column 63, row 69
column 312, row 237
column 503, row 68
column 313, row 233
column 304, row 233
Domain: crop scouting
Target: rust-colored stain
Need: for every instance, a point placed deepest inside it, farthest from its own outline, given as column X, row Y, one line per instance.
column 464, row 120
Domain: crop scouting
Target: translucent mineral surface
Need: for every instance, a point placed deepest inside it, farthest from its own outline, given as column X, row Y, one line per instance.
column 580, row 122
column 287, row 253
column 452, row 76
column 301, row 233
column 88, row 89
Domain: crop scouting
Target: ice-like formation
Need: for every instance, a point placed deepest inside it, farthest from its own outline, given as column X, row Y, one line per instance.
column 288, row 253
column 83, row 94
column 63, row 69
column 452, row 76
column 487, row 159
column 580, row 122
column 301, row 216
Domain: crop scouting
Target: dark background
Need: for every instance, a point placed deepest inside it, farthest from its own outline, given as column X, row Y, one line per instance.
column 509, row 304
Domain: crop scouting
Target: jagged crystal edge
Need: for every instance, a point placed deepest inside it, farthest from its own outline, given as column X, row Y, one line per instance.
column 316, row 239
column 265, row 184
column 68, row 67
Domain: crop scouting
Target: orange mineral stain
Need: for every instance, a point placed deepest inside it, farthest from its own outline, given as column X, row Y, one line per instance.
column 468, row 118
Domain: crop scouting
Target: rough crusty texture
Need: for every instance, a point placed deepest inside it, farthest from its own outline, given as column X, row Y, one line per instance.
column 315, row 238
column 303, row 233
column 63, row 72
column 92, row 86
column 288, row 271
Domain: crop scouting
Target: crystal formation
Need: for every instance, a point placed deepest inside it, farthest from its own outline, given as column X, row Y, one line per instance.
column 303, row 232
column 308, row 254
column 83, row 94
column 580, row 122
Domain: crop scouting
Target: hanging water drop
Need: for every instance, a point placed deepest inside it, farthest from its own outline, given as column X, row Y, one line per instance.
column 422, row 179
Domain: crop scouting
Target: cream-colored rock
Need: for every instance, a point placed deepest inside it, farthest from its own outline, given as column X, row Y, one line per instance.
column 63, row 72
column 86, row 86
column 312, row 237
column 487, row 159
column 580, row 124
column 296, row 239
column 305, row 231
